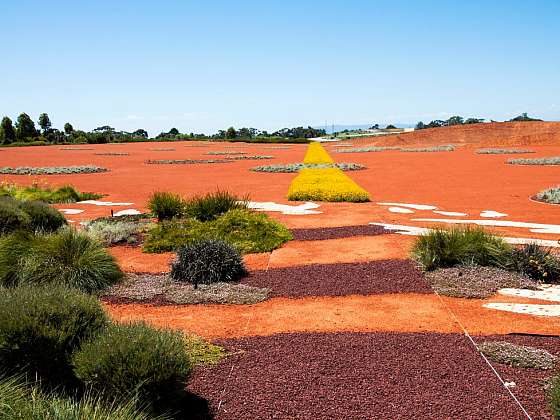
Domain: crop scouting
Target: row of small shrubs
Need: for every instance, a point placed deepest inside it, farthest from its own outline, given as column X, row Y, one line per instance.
column 538, row 161
column 503, row 151
column 28, row 215
column 442, row 148
column 184, row 161
column 35, row 192
column 296, row 167
column 442, row 248
column 51, row 170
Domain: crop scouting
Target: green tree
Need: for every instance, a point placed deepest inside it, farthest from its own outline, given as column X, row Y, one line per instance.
column 231, row 133
column 7, row 132
column 25, row 128
column 390, row 127
column 173, row 132
column 44, row 122
column 140, row 133
column 68, row 129
column 455, row 120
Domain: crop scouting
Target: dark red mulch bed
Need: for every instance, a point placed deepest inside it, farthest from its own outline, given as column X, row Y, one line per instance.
column 529, row 382
column 375, row 277
column 320, row 234
column 353, row 376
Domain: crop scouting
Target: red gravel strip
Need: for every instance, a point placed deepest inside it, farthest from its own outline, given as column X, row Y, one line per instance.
column 384, row 276
column 353, row 376
column 338, row 232
column 529, row 382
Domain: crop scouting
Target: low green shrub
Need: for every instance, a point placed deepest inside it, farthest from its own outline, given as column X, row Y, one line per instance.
column 503, row 151
column 246, row 231
column 40, row 326
column 35, row 192
column 554, row 396
column 518, row 356
column 444, row 148
column 12, row 217
column 460, row 246
column 213, row 205
column 296, row 167
column 42, row 217
column 206, row 262
column 134, row 360
column 165, row 205
column 535, row 262
column 115, row 232
column 22, row 401
column 550, row 195
column 538, row 161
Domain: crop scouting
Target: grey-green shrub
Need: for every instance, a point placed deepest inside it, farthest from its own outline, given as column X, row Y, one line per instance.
column 52, row 170
column 367, row 149
column 114, row 232
column 43, row 217
column 503, row 151
column 12, row 217
column 206, row 262
column 444, row 148
column 296, row 167
column 134, row 359
column 550, row 195
column 166, row 205
column 40, row 326
column 537, row 161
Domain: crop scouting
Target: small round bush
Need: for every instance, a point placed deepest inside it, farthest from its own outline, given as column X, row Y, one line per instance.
column 536, row 262
column 213, row 205
column 166, row 205
column 40, row 326
column 13, row 250
column 42, row 216
column 72, row 258
column 12, row 217
column 134, row 359
column 207, row 262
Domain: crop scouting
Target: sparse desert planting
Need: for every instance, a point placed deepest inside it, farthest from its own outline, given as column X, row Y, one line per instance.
column 296, row 167
column 226, row 153
column 444, row 148
column 52, row 170
column 490, row 151
column 112, row 154
column 117, row 230
column 550, row 195
column 518, row 356
column 537, row 161
column 366, row 149
column 36, row 192
column 184, row 161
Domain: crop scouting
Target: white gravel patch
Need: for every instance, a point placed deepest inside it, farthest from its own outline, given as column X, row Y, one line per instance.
column 412, row 206
column 533, row 227
column 526, row 308
column 450, row 213
column 301, row 209
column 492, row 214
column 104, row 203
column 546, row 292
column 71, row 211
column 400, row 210
column 127, row 212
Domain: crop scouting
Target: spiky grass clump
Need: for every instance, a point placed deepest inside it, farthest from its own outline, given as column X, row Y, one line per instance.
column 503, row 151
column 213, row 205
column 40, row 326
column 207, row 262
column 518, row 356
column 537, row 161
column 12, row 216
column 440, row 248
column 134, row 359
column 535, row 262
column 67, row 257
column 551, row 195
column 166, row 205
column 52, row 170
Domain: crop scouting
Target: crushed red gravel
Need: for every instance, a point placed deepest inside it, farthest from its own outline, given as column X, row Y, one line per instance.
column 528, row 382
column 319, row 234
column 384, row 276
column 353, row 376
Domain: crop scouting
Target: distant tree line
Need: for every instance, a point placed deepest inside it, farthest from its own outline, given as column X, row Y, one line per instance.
column 458, row 120
column 247, row 134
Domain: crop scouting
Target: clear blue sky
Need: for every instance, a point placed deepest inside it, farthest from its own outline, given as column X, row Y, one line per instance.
column 205, row 65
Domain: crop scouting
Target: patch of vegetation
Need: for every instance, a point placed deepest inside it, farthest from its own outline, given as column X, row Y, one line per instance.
column 537, row 161
column 491, row 151
column 162, row 149
column 35, row 192
column 296, row 167
column 52, row 170
column 444, row 148
column 160, row 287
column 440, row 248
column 40, row 326
column 213, row 205
column 184, row 161
column 252, row 157
column 152, row 364
column 207, row 262
column 553, row 392
column 67, row 257
column 28, row 215
column 329, row 184
column 246, row 231
column 202, row 352
column 316, row 154
column 475, row 282
column 112, row 232
column 76, row 148
column 226, row 153
column 166, row 205
column 367, row 149
column 535, row 262
column 550, row 195
column 112, row 154
column 518, row 356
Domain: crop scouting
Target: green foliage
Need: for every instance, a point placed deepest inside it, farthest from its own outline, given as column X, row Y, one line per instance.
column 460, row 246
column 246, row 231
column 21, row 401
column 12, row 216
column 554, row 396
column 213, row 205
column 40, row 326
column 52, row 170
column 165, row 205
column 65, row 194
column 555, row 160
column 45, row 122
column 206, row 262
column 550, row 195
column 43, row 218
column 296, row 167
column 535, row 262
column 202, row 352
column 491, row 151
column 113, row 232
column 134, row 359
column 25, row 128
column 7, row 131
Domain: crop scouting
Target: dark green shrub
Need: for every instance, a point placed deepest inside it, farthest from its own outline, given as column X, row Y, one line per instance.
column 71, row 258
column 166, row 205
column 42, row 216
column 460, row 246
column 134, row 359
column 213, row 205
column 40, row 326
column 12, row 217
column 206, row 262
column 535, row 262
column 14, row 248
column 554, row 396
column 246, row 231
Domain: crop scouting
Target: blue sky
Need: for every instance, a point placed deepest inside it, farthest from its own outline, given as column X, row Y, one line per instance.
column 204, row 65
